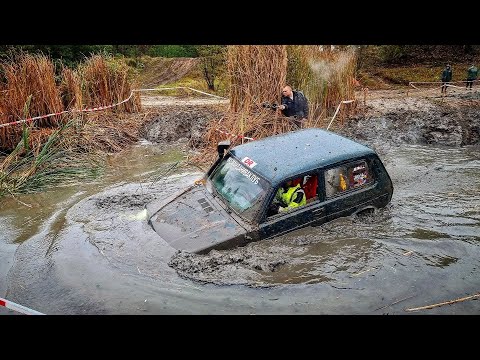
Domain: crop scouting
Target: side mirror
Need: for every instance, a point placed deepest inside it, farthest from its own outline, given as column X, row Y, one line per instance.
column 222, row 147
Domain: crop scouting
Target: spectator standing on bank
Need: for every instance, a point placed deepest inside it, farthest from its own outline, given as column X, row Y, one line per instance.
column 446, row 78
column 472, row 74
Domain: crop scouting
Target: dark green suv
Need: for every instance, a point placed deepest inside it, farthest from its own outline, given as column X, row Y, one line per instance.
column 234, row 204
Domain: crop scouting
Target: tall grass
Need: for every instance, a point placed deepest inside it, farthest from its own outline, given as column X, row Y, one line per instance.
column 257, row 73
column 105, row 82
column 30, row 76
column 28, row 169
column 28, row 90
column 325, row 77
column 71, row 89
column 42, row 152
column 30, row 87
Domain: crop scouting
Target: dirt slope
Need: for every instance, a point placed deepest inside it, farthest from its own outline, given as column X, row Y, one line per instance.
column 422, row 117
column 160, row 71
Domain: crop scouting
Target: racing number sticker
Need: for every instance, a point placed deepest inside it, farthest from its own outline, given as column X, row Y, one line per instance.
column 249, row 162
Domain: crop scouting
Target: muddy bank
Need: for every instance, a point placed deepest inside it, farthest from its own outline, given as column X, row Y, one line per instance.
column 180, row 123
column 389, row 117
column 394, row 118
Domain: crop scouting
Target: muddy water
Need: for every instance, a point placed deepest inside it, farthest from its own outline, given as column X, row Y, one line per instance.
column 87, row 249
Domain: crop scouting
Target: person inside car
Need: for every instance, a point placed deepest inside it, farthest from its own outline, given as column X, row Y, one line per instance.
column 290, row 196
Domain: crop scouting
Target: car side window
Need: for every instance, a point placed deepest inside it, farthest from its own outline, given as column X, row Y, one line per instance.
column 294, row 194
column 347, row 177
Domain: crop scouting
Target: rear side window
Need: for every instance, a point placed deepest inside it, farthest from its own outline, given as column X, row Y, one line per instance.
column 347, row 177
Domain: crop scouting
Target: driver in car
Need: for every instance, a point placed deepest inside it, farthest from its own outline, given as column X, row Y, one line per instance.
column 290, row 196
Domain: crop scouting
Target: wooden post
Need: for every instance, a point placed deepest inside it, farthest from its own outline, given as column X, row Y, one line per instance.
column 365, row 91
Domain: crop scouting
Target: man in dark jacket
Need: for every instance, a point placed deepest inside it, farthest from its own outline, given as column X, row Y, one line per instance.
column 294, row 104
column 472, row 74
column 446, row 77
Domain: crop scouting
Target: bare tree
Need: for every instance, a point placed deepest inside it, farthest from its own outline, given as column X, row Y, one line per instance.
column 212, row 62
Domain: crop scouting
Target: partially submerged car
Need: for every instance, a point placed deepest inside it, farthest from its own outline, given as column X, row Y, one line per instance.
column 233, row 204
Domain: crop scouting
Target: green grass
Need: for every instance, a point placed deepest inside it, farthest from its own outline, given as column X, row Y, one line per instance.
column 27, row 170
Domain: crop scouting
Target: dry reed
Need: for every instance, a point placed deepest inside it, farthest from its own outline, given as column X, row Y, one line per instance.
column 104, row 133
column 31, row 81
column 105, row 82
column 326, row 78
column 71, row 90
column 29, row 89
column 256, row 73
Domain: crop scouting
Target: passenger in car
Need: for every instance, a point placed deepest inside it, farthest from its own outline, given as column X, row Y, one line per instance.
column 290, row 196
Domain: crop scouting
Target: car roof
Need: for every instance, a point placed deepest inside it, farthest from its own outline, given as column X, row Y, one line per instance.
column 286, row 155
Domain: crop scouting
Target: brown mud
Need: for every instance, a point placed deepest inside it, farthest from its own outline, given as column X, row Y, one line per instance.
column 422, row 117
column 180, row 121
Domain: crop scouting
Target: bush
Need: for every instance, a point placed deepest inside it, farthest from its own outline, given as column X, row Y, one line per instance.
column 392, row 53
column 170, row 51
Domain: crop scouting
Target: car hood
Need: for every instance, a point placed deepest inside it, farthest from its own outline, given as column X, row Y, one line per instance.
column 193, row 221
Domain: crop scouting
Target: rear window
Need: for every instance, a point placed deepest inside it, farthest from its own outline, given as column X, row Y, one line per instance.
column 347, row 177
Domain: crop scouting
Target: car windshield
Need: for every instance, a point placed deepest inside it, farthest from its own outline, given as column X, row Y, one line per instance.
column 242, row 189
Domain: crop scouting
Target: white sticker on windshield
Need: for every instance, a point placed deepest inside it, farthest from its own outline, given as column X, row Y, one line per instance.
column 249, row 162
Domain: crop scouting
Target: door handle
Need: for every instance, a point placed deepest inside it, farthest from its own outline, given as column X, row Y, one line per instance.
column 319, row 211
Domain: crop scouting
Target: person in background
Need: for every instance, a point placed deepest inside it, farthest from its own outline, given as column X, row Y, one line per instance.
column 472, row 74
column 294, row 104
column 446, row 78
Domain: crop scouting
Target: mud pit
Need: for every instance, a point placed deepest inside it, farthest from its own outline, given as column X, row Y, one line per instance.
column 389, row 120
column 94, row 253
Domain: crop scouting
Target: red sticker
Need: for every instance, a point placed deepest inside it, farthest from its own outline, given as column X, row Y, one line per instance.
column 249, row 162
